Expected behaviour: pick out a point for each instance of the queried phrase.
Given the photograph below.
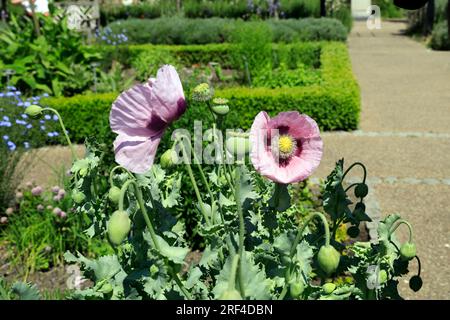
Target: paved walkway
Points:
(404, 140)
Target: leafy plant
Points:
(56, 62)
(41, 227)
(256, 245)
(18, 291)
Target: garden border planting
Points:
(335, 103)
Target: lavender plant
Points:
(257, 244)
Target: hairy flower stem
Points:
(232, 279)
(141, 203)
(352, 166)
(241, 231)
(194, 184)
(296, 242)
(400, 222)
(61, 123)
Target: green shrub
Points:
(439, 37)
(177, 30)
(335, 103)
(56, 62)
(244, 9)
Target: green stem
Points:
(232, 279)
(400, 222)
(74, 155)
(296, 242)
(149, 226)
(194, 184)
(351, 167)
(241, 231)
(180, 285)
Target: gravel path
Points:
(404, 140)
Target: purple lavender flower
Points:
(24, 116)
(6, 118)
(22, 122)
(27, 104)
(55, 118)
(5, 137)
(29, 126)
(47, 117)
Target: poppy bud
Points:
(168, 159)
(328, 259)
(114, 194)
(34, 111)
(202, 93)
(119, 226)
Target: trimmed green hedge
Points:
(178, 30)
(335, 104)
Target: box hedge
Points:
(334, 104)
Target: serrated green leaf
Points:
(25, 291)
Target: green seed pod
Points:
(361, 190)
(78, 196)
(407, 251)
(106, 288)
(230, 295)
(415, 283)
(119, 226)
(382, 276)
(114, 194)
(221, 110)
(328, 288)
(353, 231)
(296, 289)
(328, 259)
(238, 145)
(168, 159)
(34, 111)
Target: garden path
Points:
(404, 140)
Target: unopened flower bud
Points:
(77, 196)
(114, 194)
(202, 92)
(168, 158)
(33, 111)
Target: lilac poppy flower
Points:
(141, 114)
(286, 148)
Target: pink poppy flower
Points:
(141, 114)
(286, 148)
